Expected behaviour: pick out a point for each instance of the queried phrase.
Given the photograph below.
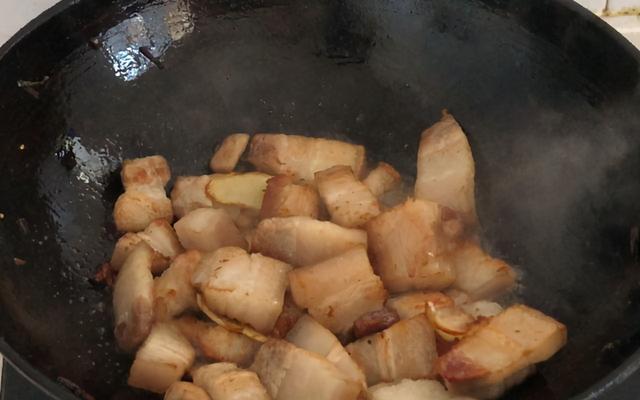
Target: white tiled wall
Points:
(14, 14)
(624, 15)
(628, 25)
(595, 6)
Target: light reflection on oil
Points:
(156, 27)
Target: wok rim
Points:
(600, 390)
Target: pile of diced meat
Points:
(308, 279)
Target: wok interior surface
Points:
(548, 97)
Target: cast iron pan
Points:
(546, 92)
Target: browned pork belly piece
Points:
(480, 275)
(501, 353)
(538, 334)
(217, 343)
(185, 391)
(374, 321)
(409, 389)
(243, 190)
(349, 202)
(125, 245)
(382, 178)
(133, 299)
(207, 229)
(161, 237)
(173, 292)
(226, 157)
(339, 290)
(291, 373)
(407, 247)
(301, 157)
(304, 241)
(190, 193)
(136, 208)
(446, 169)
(247, 287)
(288, 318)
(283, 198)
(146, 171)
(225, 381)
(161, 360)
(310, 335)
(407, 349)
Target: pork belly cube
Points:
(408, 389)
(339, 290)
(161, 237)
(125, 245)
(190, 193)
(161, 360)
(291, 373)
(226, 157)
(310, 335)
(407, 247)
(225, 381)
(283, 198)
(304, 241)
(446, 169)
(173, 292)
(301, 157)
(246, 287)
(145, 171)
(409, 305)
(374, 322)
(185, 391)
(480, 275)
(501, 353)
(483, 365)
(217, 343)
(136, 208)
(207, 229)
(540, 335)
(407, 349)
(349, 202)
(133, 299)
(383, 178)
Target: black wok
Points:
(547, 93)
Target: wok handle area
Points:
(623, 383)
(14, 386)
